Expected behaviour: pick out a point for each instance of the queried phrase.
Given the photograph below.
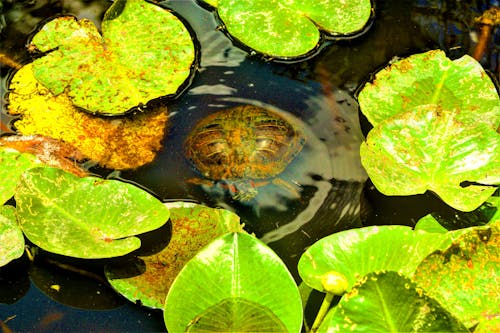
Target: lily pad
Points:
(432, 78)
(12, 165)
(357, 252)
(116, 143)
(84, 217)
(11, 236)
(288, 29)
(145, 52)
(193, 227)
(465, 278)
(221, 286)
(428, 148)
(388, 302)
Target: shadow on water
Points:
(318, 94)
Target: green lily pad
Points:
(427, 148)
(11, 236)
(288, 29)
(388, 302)
(12, 165)
(355, 253)
(145, 52)
(432, 78)
(193, 227)
(84, 217)
(465, 278)
(234, 276)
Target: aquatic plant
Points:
(290, 29)
(145, 52)
(435, 129)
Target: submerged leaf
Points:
(232, 276)
(357, 252)
(120, 143)
(145, 52)
(432, 78)
(193, 227)
(84, 217)
(288, 29)
(11, 236)
(389, 303)
(427, 148)
(465, 278)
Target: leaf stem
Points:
(323, 310)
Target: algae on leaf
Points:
(465, 277)
(145, 52)
(193, 227)
(84, 217)
(117, 143)
(288, 29)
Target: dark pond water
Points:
(318, 93)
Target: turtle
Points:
(242, 148)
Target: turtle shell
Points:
(243, 142)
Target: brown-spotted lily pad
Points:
(118, 143)
(193, 227)
(465, 278)
(145, 52)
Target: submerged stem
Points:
(323, 310)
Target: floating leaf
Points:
(429, 149)
(50, 151)
(120, 143)
(357, 252)
(12, 165)
(288, 29)
(465, 278)
(145, 52)
(389, 303)
(84, 217)
(11, 236)
(193, 227)
(432, 78)
(234, 276)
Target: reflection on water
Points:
(317, 94)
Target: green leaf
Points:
(145, 52)
(427, 148)
(12, 165)
(389, 303)
(432, 78)
(193, 227)
(288, 29)
(84, 217)
(465, 278)
(357, 252)
(11, 236)
(238, 281)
